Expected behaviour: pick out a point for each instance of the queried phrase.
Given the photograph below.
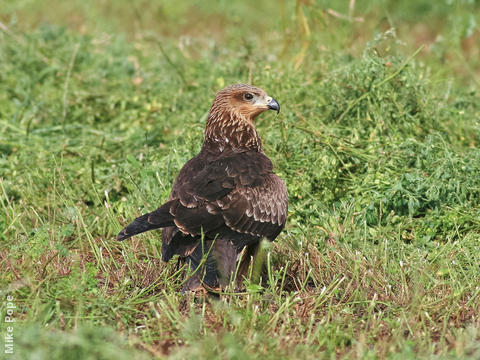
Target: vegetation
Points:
(101, 103)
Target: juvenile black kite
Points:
(228, 192)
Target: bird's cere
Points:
(273, 105)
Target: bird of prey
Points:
(226, 199)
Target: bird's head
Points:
(244, 100)
(230, 120)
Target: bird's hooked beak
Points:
(273, 104)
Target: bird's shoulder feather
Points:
(209, 176)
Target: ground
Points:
(101, 103)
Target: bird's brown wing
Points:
(259, 211)
(236, 191)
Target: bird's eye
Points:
(248, 96)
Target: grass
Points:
(101, 103)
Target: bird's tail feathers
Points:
(159, 218)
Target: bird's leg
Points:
(225, 255)
(247, 262)
(202, 268)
